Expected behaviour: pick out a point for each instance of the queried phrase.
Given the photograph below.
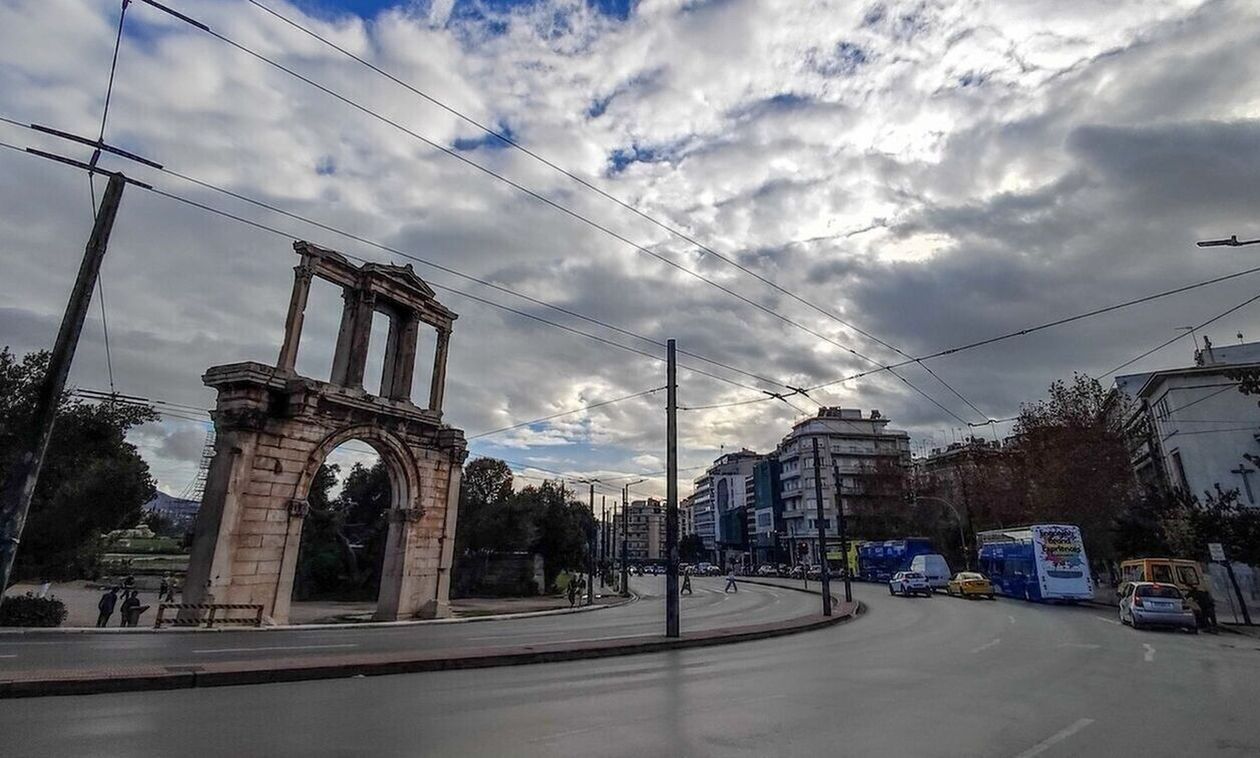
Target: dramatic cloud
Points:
(931, 172)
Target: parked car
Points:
(970, 584)
(934, 567)
(1146, 604)
(797, 572)
(766, 570)
(706, 569)
(907, 583)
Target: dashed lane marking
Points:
(1055, 738)
(988, 645)
(1150, 652)
(268, 648)
(1011, 619)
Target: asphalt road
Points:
(708, 608)
(930, 677)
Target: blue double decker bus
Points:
(878, 561)
(1040, 563)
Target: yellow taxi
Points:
(970, 584)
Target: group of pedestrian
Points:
(130, 609)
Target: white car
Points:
(907, 583)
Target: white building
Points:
(1191, 427)
(862, 446)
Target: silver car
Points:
(1146, 604)
(907, 583)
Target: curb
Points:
(295, 670)
(325, 626)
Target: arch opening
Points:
(345, 533)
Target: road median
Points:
(148, 678)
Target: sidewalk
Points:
(35, 683)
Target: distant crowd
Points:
(131, 608)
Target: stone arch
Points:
(404, 479)
(275, 428)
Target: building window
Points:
(1161, 409)
(1178, 468)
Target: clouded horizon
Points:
(932, 172)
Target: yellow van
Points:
(1187, 575)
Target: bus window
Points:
(1132, 573)
(1161, 572)
(1188, 576)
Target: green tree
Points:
(92, 481)
(343, 538)
(1072, 462)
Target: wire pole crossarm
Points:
(23, 475)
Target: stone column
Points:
(360, 337)
(403, 366)
(283, 598)
(446, 560)
(393, 602)
(341, 358)
(302, 274)
(438, 387)
(214, 534)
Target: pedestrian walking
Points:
(106, 606)
(171, 589)
(164, 586)
(686, 584)
(731, 586)
(129, 604)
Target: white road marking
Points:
(1011, 619)
(987, 645)
(1055, 738)
(595, 639)
(1150, 652)
(14, 655)
(273, 647)
(1082, 645)
(1108, 621)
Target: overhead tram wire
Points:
(600, 404)
(940, 353)
(545, 200)
(409, 256)
(96, 154)
(1183, 335)
(667, 227)
(1025, 331)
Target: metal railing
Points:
(208, 614)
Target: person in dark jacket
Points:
(1207, 609)
(106, 606)
(129, 605)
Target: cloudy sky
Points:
(930, 172)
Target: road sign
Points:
(1217, 551)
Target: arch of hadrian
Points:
(274, 429)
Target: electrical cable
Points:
(669, 228)
(546, 200)
(1166, 343)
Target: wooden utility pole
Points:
(823, 573)
(603, 536)
(23, 474)
(671, 492)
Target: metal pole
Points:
(1229, 569)
(590, 557)
(823, 572)
(23, 474)
(844, 536)
(671, 492)
(603, 537)
(625, 539)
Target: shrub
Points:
(28, 610)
